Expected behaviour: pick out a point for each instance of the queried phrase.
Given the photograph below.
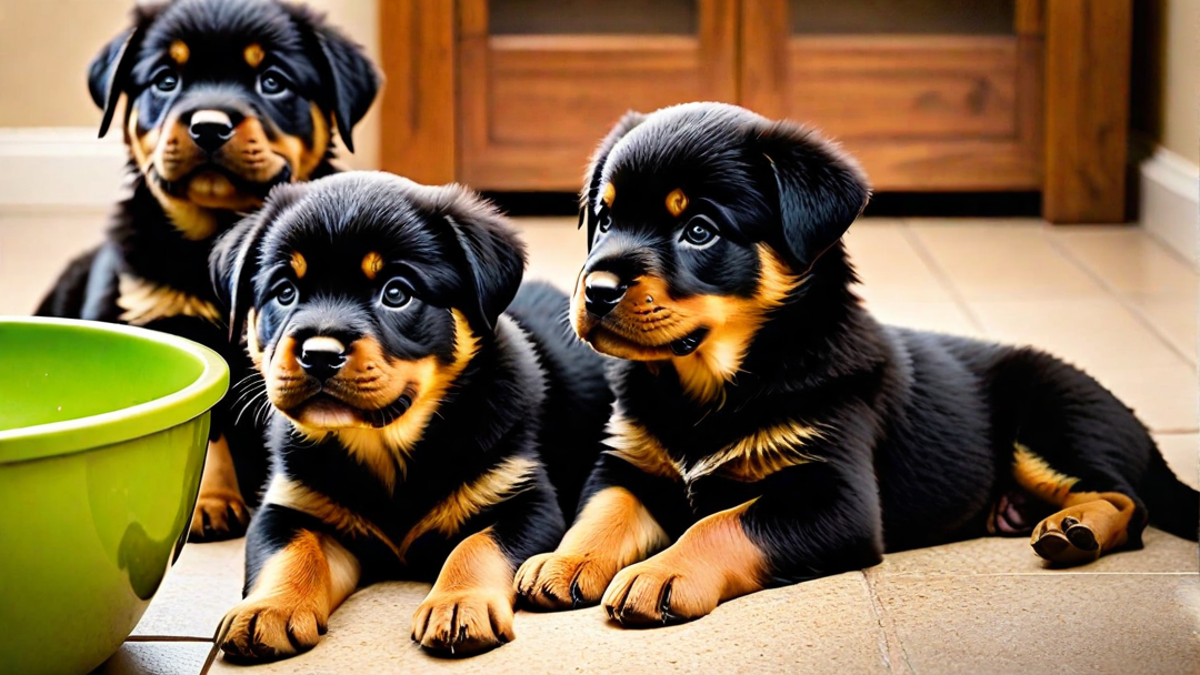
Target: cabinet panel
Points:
(905, 87)
(533, 106)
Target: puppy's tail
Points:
(1173, 506)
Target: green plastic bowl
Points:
(103, 431)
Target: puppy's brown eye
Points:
(286, 294)
(699, 231)
(395, 294)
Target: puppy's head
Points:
(703, 218)
(227, 98)
(363, 296)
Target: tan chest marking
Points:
(633, 443)
(145, 301)
(290, 494)
(758, 455)
(511, 477)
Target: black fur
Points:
(321, 67)
(531, 390)
(916, 430)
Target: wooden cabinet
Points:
(930, 95)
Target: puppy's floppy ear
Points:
(108, 73)
(493, 253)
(591, 180)
(349, 80)
(233, 261)
(821, 190)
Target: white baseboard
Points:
(1170, 202)
(57, 168)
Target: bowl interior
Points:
(52, 373)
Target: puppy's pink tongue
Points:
(328, 415)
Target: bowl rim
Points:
(55, 439)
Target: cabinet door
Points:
(542, 81)
(928, 94)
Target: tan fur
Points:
(613, 530)
(252, 346)
(633, 443)
(169, 154)
(370, 380)
(299, 264)
(677, 202)
(254, 54)
(712, 562)
(610, 194)
(643, 326)
(1035, 475)
(371, 264)
(220, 498)
(509, 478)
(179, 52)
(288, 493)
(470, 607)
(289, 606)
(145, 302)
(758, 455)
(1105, 515)
(304, 159)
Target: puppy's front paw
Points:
(219, 515)
(270, 628)
(461, 623)
(562, 581)
(653, 594)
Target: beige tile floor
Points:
(1113, 300)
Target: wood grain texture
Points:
(534, 106)
(418, 105)
(1088, 49)
(763, 67)
(905, 87)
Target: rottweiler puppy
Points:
(423, 427)
(224, 100)
(767, 430)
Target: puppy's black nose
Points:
(322, 357)
(210, 129)
(602, 291)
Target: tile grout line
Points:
(1121, 299)
(166, 638)
(940, 274)
(212, 657)
(891, 651)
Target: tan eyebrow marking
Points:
(179, 52)
(254, 54)
(299, 264)
(610, 193)
(371, 264)
(677, 202)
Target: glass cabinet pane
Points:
(579, 17)
(959, 17)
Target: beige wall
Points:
(45, 46)
(1181, 79)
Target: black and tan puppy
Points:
(768, 430)
(419, 432)
(224, 100)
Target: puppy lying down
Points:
(423, 427)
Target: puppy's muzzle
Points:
(322, 357)
(602, 292)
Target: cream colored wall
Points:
(1181, 78)
(45, 46)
